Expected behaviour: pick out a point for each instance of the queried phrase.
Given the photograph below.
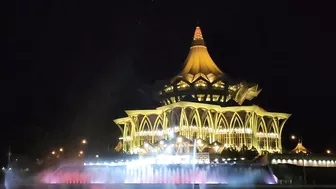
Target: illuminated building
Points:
(203, 103)
(300, 148)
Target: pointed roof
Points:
(199, 63)
(300, 148)
(118, 147)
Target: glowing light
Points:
(97, 156)
(179, 139)
(61, 149)
(81, 152)
(293, 137)
(328, 152)
(84, 141)
(53, 152)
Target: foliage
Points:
(245, 152)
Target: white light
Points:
(161, 142)
(179, 139)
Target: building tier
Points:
(149, 131)
(202, 81)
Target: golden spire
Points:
(199, 63)
(300, 148)
(198, 34)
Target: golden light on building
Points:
(300, 148)
(203, 103)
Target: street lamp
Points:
(293, 137)
(53, 152)
(61, 149)
(84, 141)
(81, 152)
(328, 151)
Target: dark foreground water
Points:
(160, 186)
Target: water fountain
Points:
(147, 172)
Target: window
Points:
(215, 98)
(168, 89)
(218, 85)
(182, 85)
(201, 84)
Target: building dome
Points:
(203, 81)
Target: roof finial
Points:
(198, 34)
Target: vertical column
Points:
(164, 125)
(254, 127)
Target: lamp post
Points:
(293, 137)
(83, 147)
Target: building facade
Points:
(205, 105)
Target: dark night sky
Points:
(72, 67)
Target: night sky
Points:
(71, 67)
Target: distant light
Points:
(293, 137)
(179, 139)
(328, 152)
(53, 152)
(61, 149)
(84, 141)
(81, 152)
(161, 142)
(97, 156)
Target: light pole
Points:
(293, 137)
(84, 143)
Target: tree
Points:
(249, 153)
(230, 153)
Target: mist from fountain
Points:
(194, 161)
(234, 175)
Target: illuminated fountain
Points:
(164, 169)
